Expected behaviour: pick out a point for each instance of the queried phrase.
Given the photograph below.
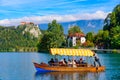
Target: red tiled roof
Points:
(76, 35)
(23, 23)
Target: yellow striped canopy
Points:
(71, 52)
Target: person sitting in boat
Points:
(69, 63)
(51, 62)
(96, 60)
(74, 63)
(56, 62)
(65, 61)
(81, 61)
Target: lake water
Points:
(19, 66)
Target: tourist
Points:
(74, 63)
(51, 62)
(62, 62)
(81, 61)
(56, 62)
(65, 61)
(69, 63)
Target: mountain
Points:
(85, 25)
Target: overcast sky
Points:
(12, 12)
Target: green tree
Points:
(74, 29)
(90, 36)
(102, 39)
(89, 40)
(44, 43)
(58, 33)
(115, 37)
(53, 37)
(107, 22)
(112, 24)
(88, 44)
(113, 19)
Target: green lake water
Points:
(19, 66)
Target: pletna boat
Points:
(43, 67)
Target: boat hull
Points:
(46, 68)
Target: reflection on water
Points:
(69, 76)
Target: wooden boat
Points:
(74, 52)
(47, 68)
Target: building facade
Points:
(73, 38)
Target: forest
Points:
(12, 39)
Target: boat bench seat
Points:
(77, 65)
(58, 64)
(61, 64)
(81, 65)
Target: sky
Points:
(12, 12)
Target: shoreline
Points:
(21, 49)
(34, 49)
(107, 50)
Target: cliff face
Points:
(31, 28)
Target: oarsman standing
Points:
(96, 60)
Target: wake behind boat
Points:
(76, 67)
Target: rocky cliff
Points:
(31, 28)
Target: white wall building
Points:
(72, 38)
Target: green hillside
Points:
(13, 39)
(112, 25)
